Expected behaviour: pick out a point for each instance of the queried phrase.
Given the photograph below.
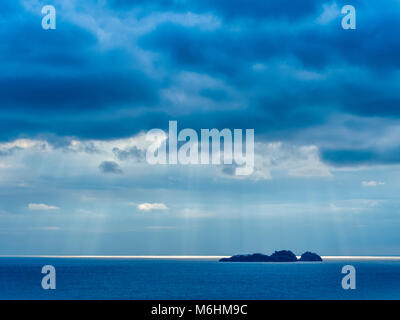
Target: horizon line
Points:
(198, 257)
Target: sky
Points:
(76, 103)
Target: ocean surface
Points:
(121, 278)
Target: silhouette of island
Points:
(310, 256)
(277, 256)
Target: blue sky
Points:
(75, 104)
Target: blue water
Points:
(20, 278)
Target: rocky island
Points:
(310, 256)
(277, 256)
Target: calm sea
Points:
(92, 278)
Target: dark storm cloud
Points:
(285, 71)
(110, 167)
(318, 48)
(91, 125)
(229, 9)
(373, 44)
(63, 71)
(361, 157)
(220, 52)
(133, 153)
(27, 48)
(58, 82)
(74, 93)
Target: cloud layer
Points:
(41, 207)
(115, 68)
(152, 206)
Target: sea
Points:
(181, 278)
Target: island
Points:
(277, 256)
(310, 256)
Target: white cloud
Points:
(372, 183)
(41, 207)
(82, 157)
(306, 163)
(330, 12)
(8, 149)
(279, 157)
(152, 206)
(24, 144)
